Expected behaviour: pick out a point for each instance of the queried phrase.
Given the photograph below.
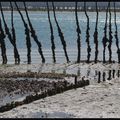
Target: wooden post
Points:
(16, 54)
(113, 73)
(96, 36)
(52, 36)
(2, 42)
(61, 35)
(27, 33)
(109, 73)
(9, 35)
(33, 34)
(105, 39)
(118, 73)
(99, 77)
(78, 34)
(116, 35)
(87, 35)
(104, 74)
(110, 37)
(75, 80)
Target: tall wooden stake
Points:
(78, 35)
(33, 34)
(2, 42)
(52, 36)
(110, 37)
(17, 56)
(105, 39)
(116, 35)
(87, 35)
(61, 35)
(9, 35)
(96, 36)
(27, 33)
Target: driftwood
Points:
(110, 37)
(116, 35)
(96, 36)
(10, 36)
(52, 36)
(33, 34)
(87, 35)
(27, 33)
(2, 42)
(61, 35)
(78, 34)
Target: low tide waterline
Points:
(67, 23)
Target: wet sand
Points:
(19, 81)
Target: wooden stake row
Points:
(29, 29)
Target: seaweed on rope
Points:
(10, 37)
(61, 35)
(33, 34)
(27, 33)
(78, 34)
(30, 32)
(105, 39)
(110, 36)
(116, 35)
(87, 35)
(52, 36)
(17, 56)
(96, 36)
(2, 43)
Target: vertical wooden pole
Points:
(61, 35)
(27, 33)
(87, 35)
(52, 36)
(33, 34)
(96, 36)
(78, 34)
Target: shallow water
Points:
(68, 25)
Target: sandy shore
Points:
(99, 99)
(93, 101)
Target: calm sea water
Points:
(68, 25)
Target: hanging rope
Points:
(52, 36)
(105, 39)
(78, 34)
(27, 33)
(17, 56)
(9, 36)
(2, 43)
(116, 35)
(61, 35)
(110, 37)
(96, 36)
(87, 35)
(33, 34)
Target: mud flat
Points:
(89, 71)
(29, 86)
(95, 100)
(66, 68)
(15, 87)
